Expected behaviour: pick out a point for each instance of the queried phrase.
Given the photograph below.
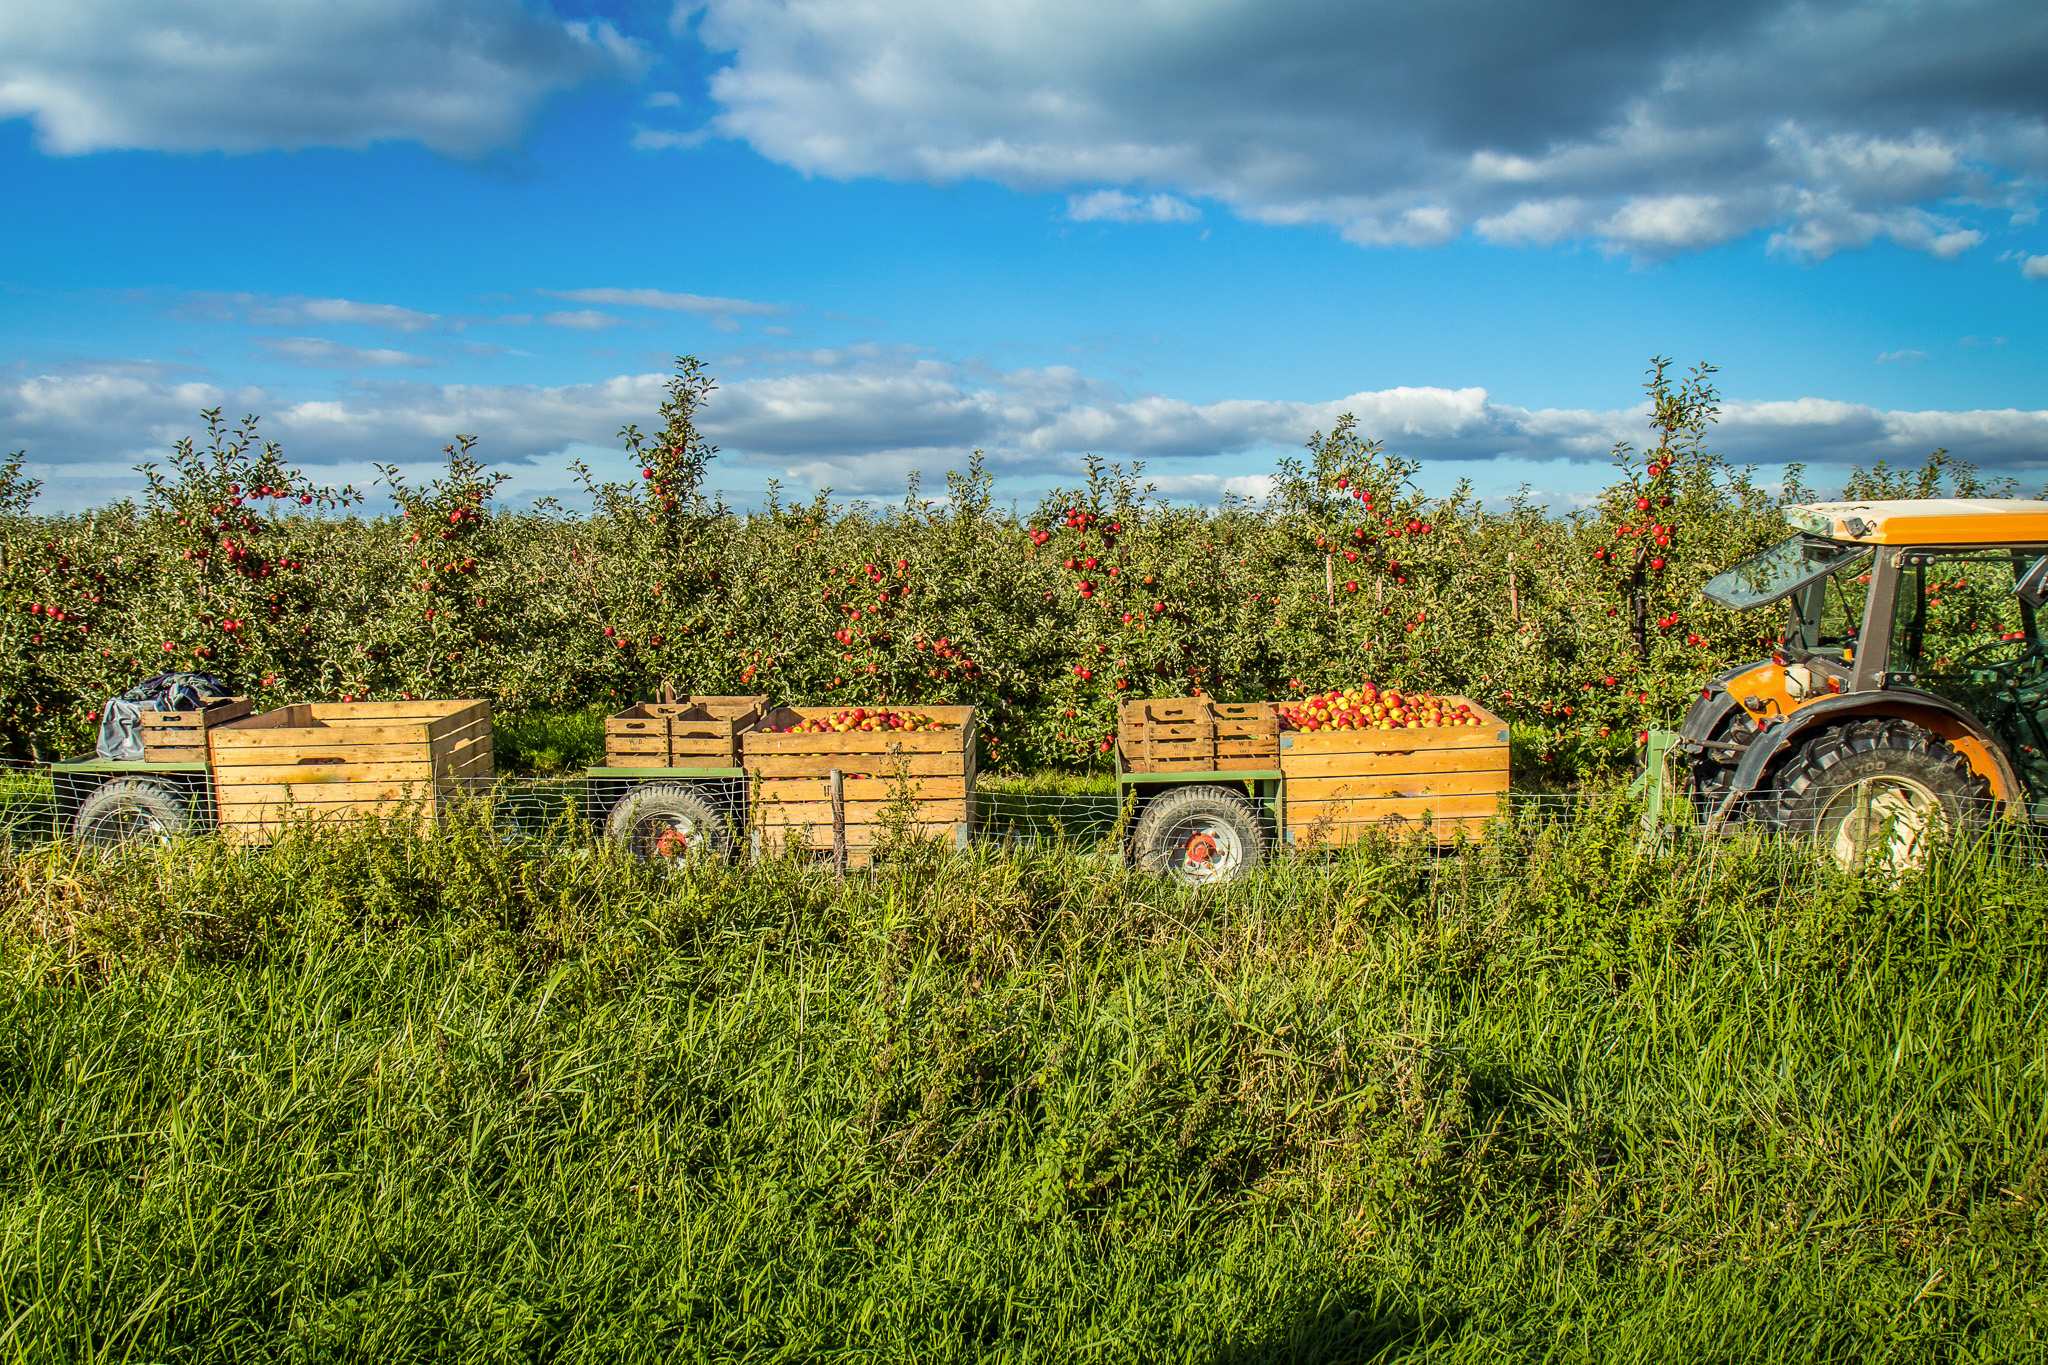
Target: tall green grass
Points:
(488, 1098)
(545, 743)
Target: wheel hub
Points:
(1885, 823)
(668, 838)
(1209, 851)
(128, 823)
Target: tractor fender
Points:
(1705, 715)
(1713, 705)
(1938, 715)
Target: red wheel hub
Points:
(1201, 848)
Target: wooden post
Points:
(1330, 580)
(1639, 611)
(839, 826)
(1514, 602)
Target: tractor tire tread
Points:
(1808, 771)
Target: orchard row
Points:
(1582, 628)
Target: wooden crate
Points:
(180, 736)
(1247, 734)
(1166, 734)
(1341, 784)
(789, 776)
(1185, 734)
(728, 708)
(678, 734)
(346, 759)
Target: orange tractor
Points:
(1909, 696)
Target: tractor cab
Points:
(1910, 690)
(1963, 627)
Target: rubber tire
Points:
(1708, 777)
(676, 802)
(162, 806)
(1828, 766)
(1153, 849)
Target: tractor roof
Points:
(1927, 521)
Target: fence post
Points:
(839, 826)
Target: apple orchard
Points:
(1581, 628)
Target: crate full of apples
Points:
(886, 756)
(1367, 707)
(1370, 757)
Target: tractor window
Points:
(1827, 614)
(1841, 614)
(1779, 572)
(1955, 610)
(1961, 631)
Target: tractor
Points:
(1908, 696)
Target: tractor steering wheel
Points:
(1983, 658)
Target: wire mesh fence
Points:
(1871, 824)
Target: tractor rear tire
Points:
(130, 810)
(1711, 776)
(669, 822)
(1199, 836)
(1877, 795)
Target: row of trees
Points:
(1583, 628)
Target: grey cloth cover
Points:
(121, 719)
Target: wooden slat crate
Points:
(1341, 784)
(180, 736)
(789, 776)
(728, 708)
(1183, 734)
(1247, 734)
(345, 759)
(1167, 734)
(678, 734)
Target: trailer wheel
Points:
(1199, 836)
(668, 822)
(131, 810)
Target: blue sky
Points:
(1187, 234)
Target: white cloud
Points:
(1901, 357)
(1671, 223)
(702, 305)
(319, 353)
(666, 140)
(1533, 221)
(2035, 267)
(460, 76)
(584, 319)
(264, 311)
(1653, 130)
(860, 418)
(1114, 206)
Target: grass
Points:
(547, 743)
(1047, 782)
(27, 804)
(476, 1098)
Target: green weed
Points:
(490, 1097)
